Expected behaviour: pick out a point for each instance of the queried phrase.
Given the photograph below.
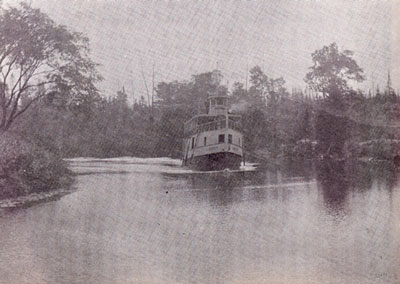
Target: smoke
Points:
(240, 106)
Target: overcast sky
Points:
(182, 38)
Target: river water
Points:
(132, 220)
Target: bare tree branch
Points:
(6, 53)
(25, 108)
(39, 53)
(21, 76)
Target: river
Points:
(131, 220)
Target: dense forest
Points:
(50, 109)
(276, 123)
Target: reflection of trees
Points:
(385, 173)
(338, 178)
(362, 175)
(334, 183)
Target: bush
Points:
(26, 168)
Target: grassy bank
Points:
(26, 168)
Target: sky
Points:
(182, 38)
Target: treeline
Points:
(112, 126)
(275, 122)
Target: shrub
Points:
(27, 168)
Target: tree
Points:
(260, 86)
(191, 95)
(204, 85)
(332, 69)
(177, 102)
(239, 96)
(329, 75)
(389, 91)
(265, 89)
(39, 58)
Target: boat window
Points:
(221, 138)
(220, 101)
(192, 142)
(239, 140)
(230, 138)
(205, 141)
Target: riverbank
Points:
(33, 198)
(30, 173)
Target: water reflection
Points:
(337, 179)
(219, 190)
(222, 189)
(298, 167)
(334, 182)
(304, 221)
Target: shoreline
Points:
(31, 199)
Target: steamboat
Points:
(213, 141)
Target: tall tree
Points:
(265, 89)
(260, 86)
(389, 91)
(204, 85)
(329, 75)
(38, 58)
(332, 69)
(239, 94)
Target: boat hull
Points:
(215, 162)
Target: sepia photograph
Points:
(200, 142)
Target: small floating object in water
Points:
(226, 172)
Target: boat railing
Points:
(209, 126)
(234, 125)
(214, 125)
